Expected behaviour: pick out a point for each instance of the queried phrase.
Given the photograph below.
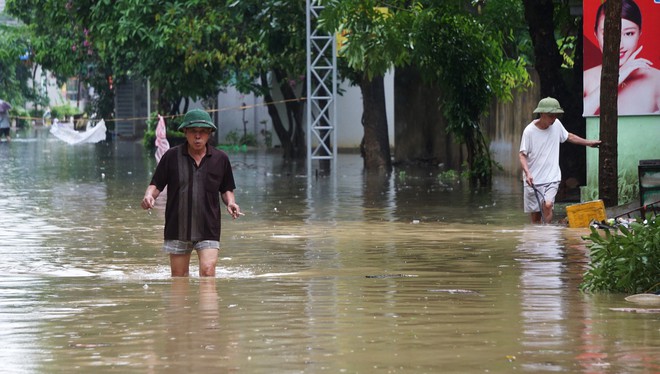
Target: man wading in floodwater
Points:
(539, 158)
(196, 176)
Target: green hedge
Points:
(62, 112)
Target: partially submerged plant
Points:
(626, 260)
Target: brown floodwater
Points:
(340, 274)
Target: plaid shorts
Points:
(181, 247)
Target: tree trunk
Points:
(292, 138)
(609, 82)
(376, 143)
(278, 125)
(541, 23)
(294, 112)
(419, 126)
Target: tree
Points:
(421, 134)
(545, 20)
(187, 49)
(62, 44)
(374, 45)
(279, 29)
(182, 47)
(17, 68)
(450, 49)
(375, 146)
(609, 118)
(458, 52)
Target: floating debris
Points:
(382, 276)
(636, 310)
(285, 236)
(456, 291)
(644, 299)
(91, 345)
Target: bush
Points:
(62, 112)
(626, 261)
(233, 138)
(37, 113)
(449, 177)
(21, 116)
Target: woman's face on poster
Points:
(630, 34)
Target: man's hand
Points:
(148, 202)
(234, 210)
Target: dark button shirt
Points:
(193, 205)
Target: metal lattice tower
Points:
(321, 91)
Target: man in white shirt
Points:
(539, 158)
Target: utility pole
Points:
(321, 93)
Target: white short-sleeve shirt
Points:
(542, 150)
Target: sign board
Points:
(639, 86)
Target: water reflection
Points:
(193, 325)
(348, 273)
(544, 308)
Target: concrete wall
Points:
(505, 123)
(231, 114)
(234, 108)
(638, 139)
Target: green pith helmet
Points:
(549, 105)
(197, 118)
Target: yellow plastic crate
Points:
(580, 215)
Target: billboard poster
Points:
(639, 57)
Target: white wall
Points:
(235, 107)
(349, 114)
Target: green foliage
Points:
(452, 46)
(268, 137)
(507, 18)
(233, 138)
(63, 112)
(21, 115)
(186, 48)
(61, 42)
(567, 50)
(628, 185)
(449, 176)
(377, 37)
(626, 261)
(249, 139)
(16, 64)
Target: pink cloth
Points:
(162, 145)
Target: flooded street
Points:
(346, 274)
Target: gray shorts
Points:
(181, 247)
(546, 192)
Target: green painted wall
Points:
(638, 139)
